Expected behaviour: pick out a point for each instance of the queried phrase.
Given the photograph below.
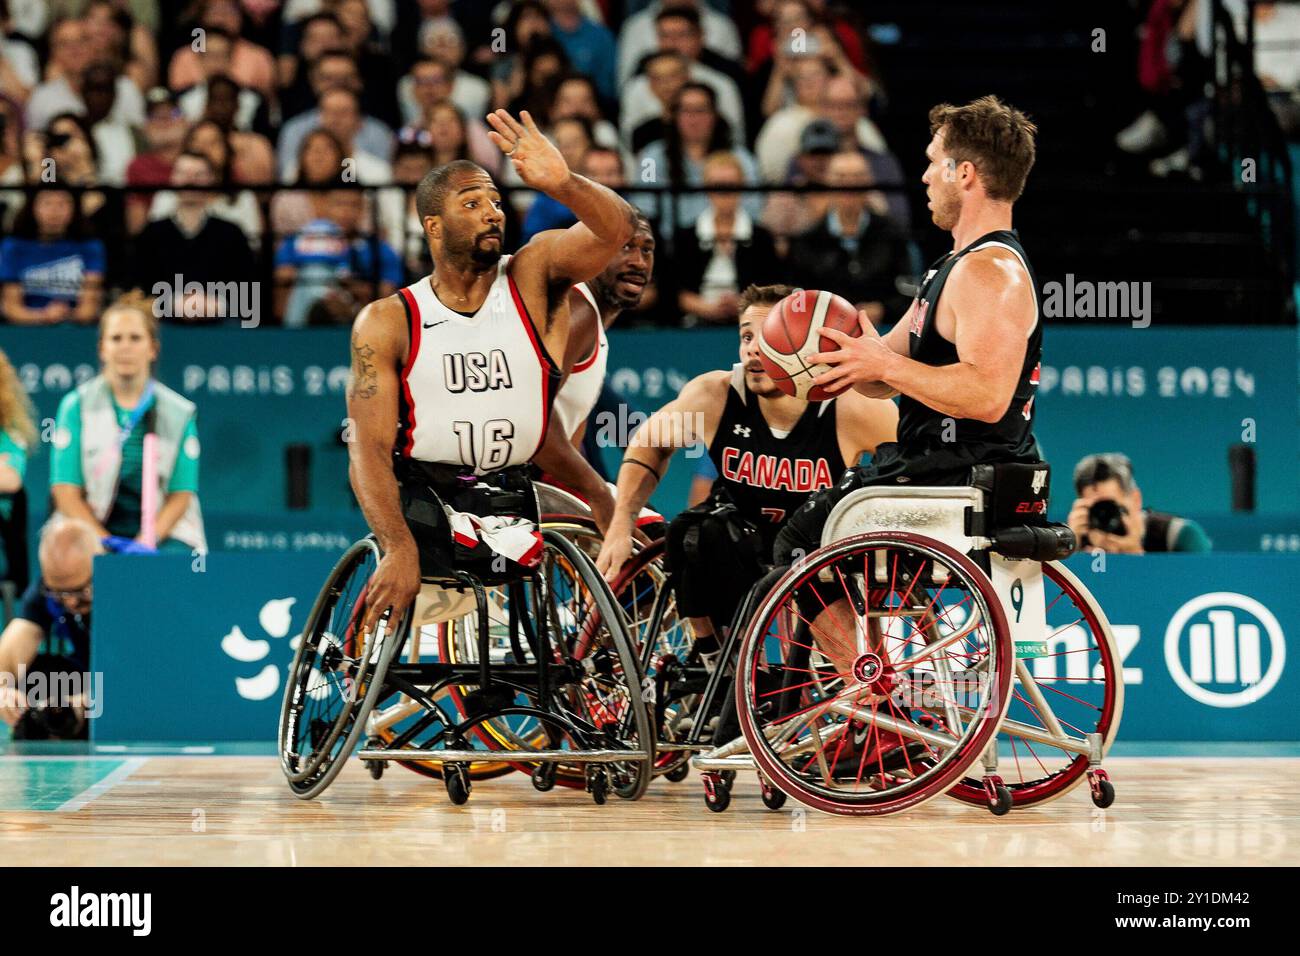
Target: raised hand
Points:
(536, 159)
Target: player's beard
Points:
(760, 383)
(946, 211)
(471, 249)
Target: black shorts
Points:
(714, 556)
(802, 533)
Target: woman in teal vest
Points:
(97, 469)
(17, 433)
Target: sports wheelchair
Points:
(537, 662)
(933, 631)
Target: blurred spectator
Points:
(213, 64)
(17, 435)
(328, 271)
(1108, 512)
(791, 214)
(382, 13)
(237, 206)
(334, 71)
(638, 38)
(320, 163)
(589, 45)
(20, 69)
(375, 64)
(800, 28)
(114, 37)
(97, 460)
(74, 158)
(319, 34)
(431, 88)
(722, 251)
(193, 242)
(114, 140)
(855, 250)
(50, 269)
(47, 643)
(696, 131)
(544, 63)
(62, 89)
(448, 136)
(526, 21)
(443, 41)
(678, 28)
(666, 73)
(844, 107)
(164, 135)
(410, 166)
(251, 66)
(254, 157)
(29, 18)
(575, 96)
(340, 114)
(679, 34)
(1277, 42)
(12, 170)
(573, 138)
(778, 140)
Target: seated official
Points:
(47, 644)
(97, 466)
(1108, 512)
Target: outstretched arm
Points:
(690, 418)
(378, 340)
(605, 220)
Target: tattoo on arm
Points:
(365, 374)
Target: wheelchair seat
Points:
(1004, 509)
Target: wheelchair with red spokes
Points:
(931, 637)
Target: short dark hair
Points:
(1094, 469)
(998, 139)
(689, 14)
(433, 188)
(762, 295)
(25, 222)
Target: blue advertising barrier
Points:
(1173, 399)
(201, 655)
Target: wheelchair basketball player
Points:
(453, 378)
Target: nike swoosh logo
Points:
(429, 325)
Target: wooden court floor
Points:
(225, 810)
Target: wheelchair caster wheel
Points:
(543, 777)
(1103, 791)
(678, 773)
(376, 768)
(996, 796)
(717, 791)
(598, 785)
(773, 798)
(729, 778)
(456, 777)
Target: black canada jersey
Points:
(768, 476)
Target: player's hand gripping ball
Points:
(792, 332)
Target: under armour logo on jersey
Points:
(742, 430)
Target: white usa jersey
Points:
(581, 389)
(476, 390)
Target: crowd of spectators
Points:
(280, 140)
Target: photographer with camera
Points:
(48, 641)
(1108, 512)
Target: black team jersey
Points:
(767, 477)
(924, 433)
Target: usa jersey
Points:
(476, 391)
(581, 389)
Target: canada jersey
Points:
(476, 390)
(926, 433)
(766, 476)
(581, 389)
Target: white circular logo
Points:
(1224, 649)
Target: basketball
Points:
(792, 332)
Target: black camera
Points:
(50, 723)
(1108, 516)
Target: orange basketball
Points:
(792, 332)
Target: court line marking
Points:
(106, 783)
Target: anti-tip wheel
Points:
(543, 777)
(1001, 806)
(678, 773)
(717, 793)
(457, 780)
(598, 784)
(1103, 792)
(773, 798)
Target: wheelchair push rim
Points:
(873, 755)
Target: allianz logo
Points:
(1222, 649)
(275, 620)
